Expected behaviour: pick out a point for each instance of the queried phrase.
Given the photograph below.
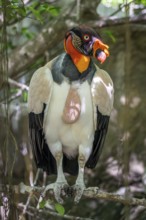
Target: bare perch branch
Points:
(93, 192)
(90, 192)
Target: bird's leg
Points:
(61, 183)
(79, 185)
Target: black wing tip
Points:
(99, 139)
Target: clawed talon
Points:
(58, 189)
(78, 189)
(62, 188)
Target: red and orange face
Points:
(86, 41)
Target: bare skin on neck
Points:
(72, 108)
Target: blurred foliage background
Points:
(31, 33)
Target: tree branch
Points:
(94, 193)
(112, 22)
(24, 56)
(18, 84)
(90, 192)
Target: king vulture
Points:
(70, 101)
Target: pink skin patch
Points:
(101, 57)
(72, 108)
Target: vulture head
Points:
(84, 40)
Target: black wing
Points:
(42, 155)
(102, 96)
(99, 138)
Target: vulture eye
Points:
(86, 37)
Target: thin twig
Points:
(30, 196)
(18, 84)
(19, 93)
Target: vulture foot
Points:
(60, 187)
(78, 189)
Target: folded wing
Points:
(102, 96)
(40, 91)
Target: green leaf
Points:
(141, 2)
(43, 8)
(60, 209)
(42, 204)
(25, 96)
(54, 10)
(22, 12)
(36, 13)
(25, 31)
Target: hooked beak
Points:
(100, 50)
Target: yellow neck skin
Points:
(81, 62)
